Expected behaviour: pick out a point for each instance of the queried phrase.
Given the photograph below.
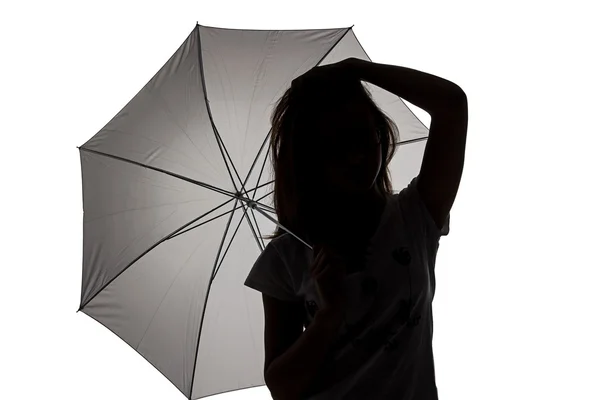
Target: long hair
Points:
(296, 121)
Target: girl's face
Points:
(350, 150)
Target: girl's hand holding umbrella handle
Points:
(328, 270)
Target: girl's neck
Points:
(358, 201)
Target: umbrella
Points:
(177, 199)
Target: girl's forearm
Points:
(293, 373)
(429, 92)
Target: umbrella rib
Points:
(256, 158)
(335, 44)
(206, 298)
(141, 354)
(229, 245)
(363, 49)
(259, 232)
(253, 231)
(221, 143)
(264, 206)
(227, 249)
(281, 226)
(412, 141)
(221, 148)
(212, 122)
(204, 222)
(261, 171)
(147, 251)
(264, 184)
(195, 182)
(209, 111)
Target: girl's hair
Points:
(297, 122)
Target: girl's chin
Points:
(358, 185)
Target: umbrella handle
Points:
(254, 205)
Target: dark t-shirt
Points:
(384, 347)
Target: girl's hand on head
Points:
(347, 69)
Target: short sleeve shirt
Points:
(384, 347)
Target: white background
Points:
(516, 307)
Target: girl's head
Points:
(329, 141)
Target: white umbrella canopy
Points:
(177, 196)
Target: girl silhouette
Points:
(350, 317)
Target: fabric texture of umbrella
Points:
(177, 197)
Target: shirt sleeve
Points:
(413, 205)
(270, 276)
